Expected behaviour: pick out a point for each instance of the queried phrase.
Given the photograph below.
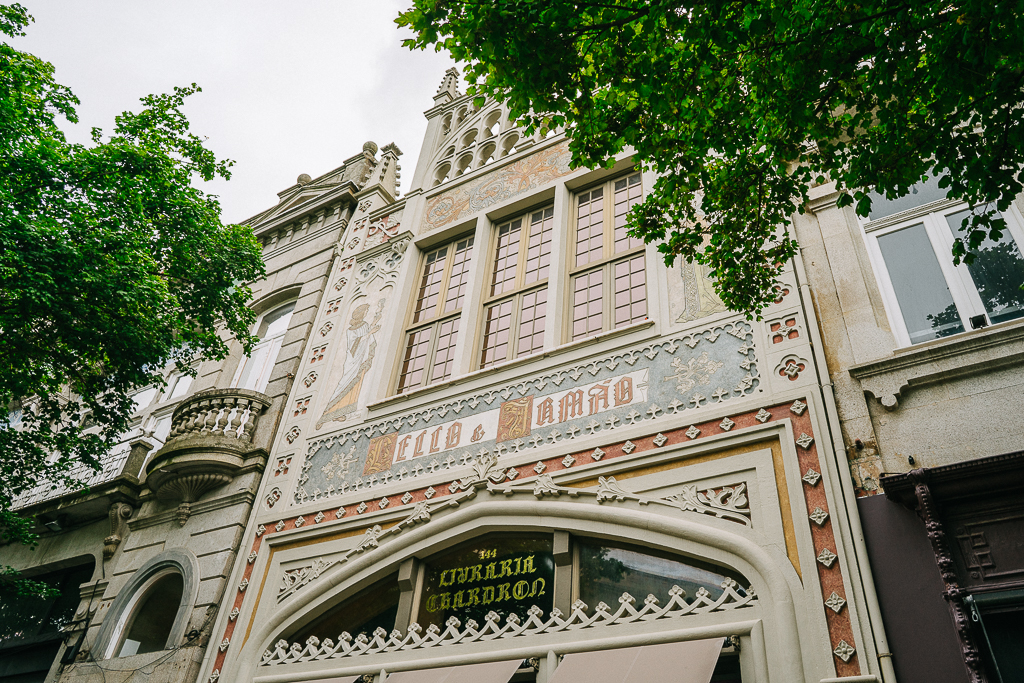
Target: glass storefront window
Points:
(503, 574)
(605, 573)
(365, 613)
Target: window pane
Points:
(920, 194)
(181, 386)
(153, 618)
(538, 254)
(460, 272)
(375, 608)
(590, 227)
(276, 323)
(444, 356)
(627, 194)
(587, 304)
(504, 574)
(430, 285)
(925, 301)
(607, 573)
(506, 257)
(415, 359)
(531, 322)
(630, 291)
(254, 364)
(998, 273)
(496, 327)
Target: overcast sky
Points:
(288, 87)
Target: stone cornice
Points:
(202, 507)
(961, 356)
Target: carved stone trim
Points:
(294, 579)
(953, 593)
(455, 633)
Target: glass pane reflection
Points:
(607, 573)
(917, 280)
(997, 271)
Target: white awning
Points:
(691, 661)
(491, 672)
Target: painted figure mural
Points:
(360, 346)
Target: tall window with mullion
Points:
(516, 307)
(608, 278)
(931, 296)
(430, 341)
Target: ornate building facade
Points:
(519, 447)
(487, 435)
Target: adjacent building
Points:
(142, 560)
(925, 359)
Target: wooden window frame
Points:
(420, 320)
(609, 257)
(520, 288)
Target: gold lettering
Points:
(473, 597)
(475, 573)
(489, 574)
(598, 397)
(519, 561)
(528, 567)
(542, 583)
(463, 571)
(453, 436)
(446, 600)
(457, 602)
(488, 595)
(435, 438)
(521, 590)
(450, 580)
(506, 568)
(570, 405)
(432, 603)
(503, 593)
(624, 391)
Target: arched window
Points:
(606, 572)
(255, 372)
(152, 611)
(148, 621)
(364, 613)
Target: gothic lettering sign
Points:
(507, 575)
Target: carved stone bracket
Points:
(119, 514)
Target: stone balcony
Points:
(213, 438)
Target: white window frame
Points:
(958, 278)
(273, 346)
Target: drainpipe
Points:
(849, 499)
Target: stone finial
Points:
(449, 88)
(391, 148)
(303, 179)
(370, 147)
